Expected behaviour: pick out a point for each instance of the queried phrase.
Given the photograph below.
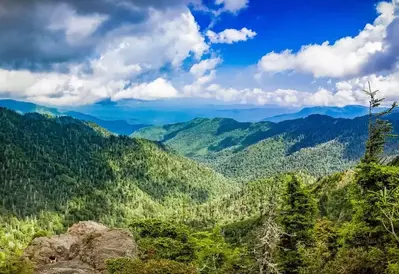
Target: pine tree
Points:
(379, 129)
(297, 219)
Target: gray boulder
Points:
(83, 249)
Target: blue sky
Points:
(289, 53)
(290, 24)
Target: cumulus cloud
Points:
(54, 88)
(67, 30)
(349, 56)
(205, 65)
(281, 97)
(204, 73)
(387, 85)
(120, 67)
(284, 97)
(81, 52)
(71, 89)
(159, 88)
(230, 36)
(232, 5)
(166, 38)
(76, 27)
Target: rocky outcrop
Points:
(83, 249)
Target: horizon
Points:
(159, 115)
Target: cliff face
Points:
(83, 249)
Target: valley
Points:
(318, 145)
(199, 137)
(195, 192)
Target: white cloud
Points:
(160, 88)
(76, 27)
(166, 38)
(343, 93)
(281, 97)
(284, 97)
(230, 36)
(387, 86)
(204, 73)
(196, 89)
(348, 56)
(133, 61)
(205, 65)
(276, 62)
(232, 5)
(70, 89)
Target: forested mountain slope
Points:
(55, 171)
(61, 164)
(317, 144)
(115, 126)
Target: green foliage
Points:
(57, 171)
(357, 260)
(323, 248)
(187, 218)
(333, 195)
(241, 232)
(247, 203)
(388, 210)
(129, 266)
(157, 228)
(208, 251)
(373, 177)
(215, 256)
(393, 260)
(318, 145)
(15, 265)
(379, 129)
(66, 166)
(163, 240)
(297, 219)
(365, 241)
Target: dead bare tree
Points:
(269, 234)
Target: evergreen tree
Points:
(297, 219)
(379, 129)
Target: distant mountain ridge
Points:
(169, 111)
(317, 144)
(115, 126)
(351, 111)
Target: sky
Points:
(288, 53)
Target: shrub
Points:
(129, 266)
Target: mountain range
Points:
(317, 144)
(336, 112)
(115, 126)
(57, 170)
(126, 116)
(63, 164)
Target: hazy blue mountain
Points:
(336, 112)
(114, 126)
(25, 107)
(162, 112)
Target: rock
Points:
(83, 228)
(67, 267)
(83, 249)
